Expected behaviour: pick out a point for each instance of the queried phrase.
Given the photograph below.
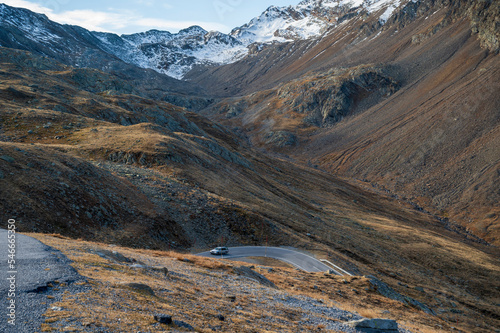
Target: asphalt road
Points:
(36, 266)
(297, 259)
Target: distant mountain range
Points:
(176, 54)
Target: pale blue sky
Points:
(129, 16)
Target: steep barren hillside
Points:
(411, 106)
(435, 142)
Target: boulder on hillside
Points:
(141, 288)
(374, 325)
(163, 318)
(113, 256)
(249, 273)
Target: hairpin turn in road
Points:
(295, 258)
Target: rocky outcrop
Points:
(163, 319)
(374, 325)
(253, 275)
(326, 99)
(281, 139)
(193, 103)
(485, 22)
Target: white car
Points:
(220, 250)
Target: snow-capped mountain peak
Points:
(175, 54)
(310, 18)
(194, 30)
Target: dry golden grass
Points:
(47, 328)
(187, 294)
(369, 313)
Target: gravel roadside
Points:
(40, 275)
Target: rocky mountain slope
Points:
(410, 107)
(358, 39)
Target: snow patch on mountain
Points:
(152, 36)
(388, 12)
(308, 19)
(279, 24)
(310, 4)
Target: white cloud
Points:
(28, 5)
(88, 19)
(92, 20)
(109, 21)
